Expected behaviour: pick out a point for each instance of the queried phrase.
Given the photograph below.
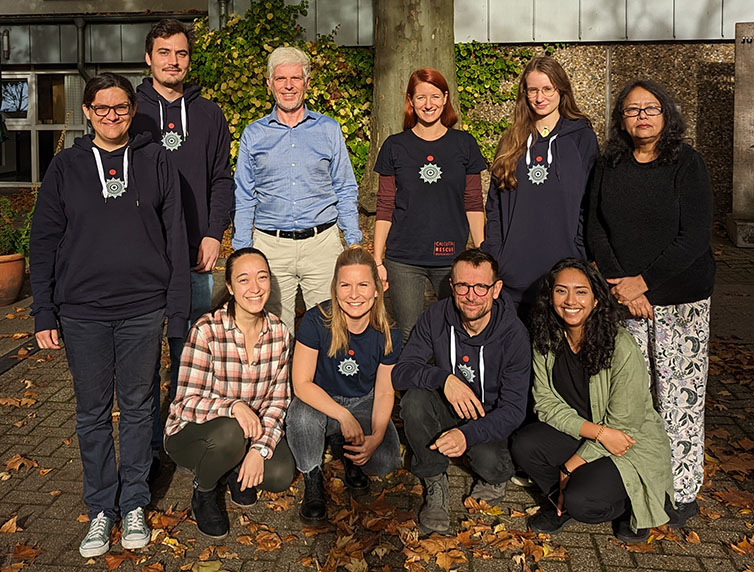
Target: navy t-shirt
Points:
(429, 226)
(352, 372)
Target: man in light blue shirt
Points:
(295, 188)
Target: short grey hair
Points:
(287, 56)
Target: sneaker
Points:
(433, 515)
(547, 520)
(97, 540)
(314, 506)
(482, 490)
(355, 478)
(241, 498)
(211, 520)
(522, 480)
(136, 533)
(622, 531)
(681, 513)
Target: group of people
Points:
(591, 387)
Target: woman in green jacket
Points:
(599, 450)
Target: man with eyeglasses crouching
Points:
(466, 371)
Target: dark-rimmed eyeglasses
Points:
(461, 288)
(651, 111)
(547, 91)
(104, 110)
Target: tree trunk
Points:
(408, 35)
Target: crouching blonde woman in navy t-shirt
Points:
(345, 352)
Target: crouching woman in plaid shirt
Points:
(226, 422)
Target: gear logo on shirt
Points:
(467, 372)
(114, 188)
(171, 140)
(538, 174)
(348, 367)
(430, 173)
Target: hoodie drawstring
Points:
(529, 142)
(184, 119)
(453, 359)
(112, 188)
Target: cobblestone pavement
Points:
(41, 499)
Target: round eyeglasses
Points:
(461, 288)
(547, 91)
(651, 111)
(104, 110)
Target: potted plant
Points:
(15, 229)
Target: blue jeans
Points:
(307, 428)
(202, 284)
(407, 284)
(426, 415)
(107, 356)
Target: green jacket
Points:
(620, 399)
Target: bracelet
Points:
(564, 470)
(599, 433)
(380, 264)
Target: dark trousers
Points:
(214, 448)
(595, 491)
(426, 415)
(106, 357)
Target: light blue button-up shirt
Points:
(294, 178)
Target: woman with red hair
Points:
(429, 197)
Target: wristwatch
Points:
(265, 452)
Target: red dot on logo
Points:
(465, 359)
(539, 157)
(351, 352)
(171, 125)
(112, 171)
(430, 158)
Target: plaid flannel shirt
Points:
(216, 373)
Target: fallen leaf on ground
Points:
(19, 461)
(43, 472)
(23, 552)
(11, 526)
(746, 546)
(693, 538)
(83, 517)
(13, 567)
(155, 567)
(735, 498)
(113, 561)
(642, 547)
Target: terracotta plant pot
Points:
(12, 268)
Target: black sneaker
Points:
(622, 531)
(355, 478)
(241, 498)
(681, 513)
(211, 520)
(547, 520)
(314, 506)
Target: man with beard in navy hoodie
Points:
(195, 133)
(466, 368)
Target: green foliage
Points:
(231, 65)
(15, 229)
(482, 70)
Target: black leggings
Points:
(595, 491)
(214, 448)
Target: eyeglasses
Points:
(547, 91)
(104, 110)
(651, 111)
(461, 288)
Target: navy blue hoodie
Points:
(201, 153)
(501, 352)
(93, 258)
(541, 221)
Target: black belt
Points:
(298, 234)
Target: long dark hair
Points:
(598, 343)
(620, 144)
(229, 263)
(512, 144)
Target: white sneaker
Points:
(136, 533)
(97, 540)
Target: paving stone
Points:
(717, 565)
(667, 562)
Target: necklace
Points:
(545, 131)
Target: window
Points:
(15, 102)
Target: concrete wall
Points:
(36, 7)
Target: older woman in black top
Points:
(649, 229)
